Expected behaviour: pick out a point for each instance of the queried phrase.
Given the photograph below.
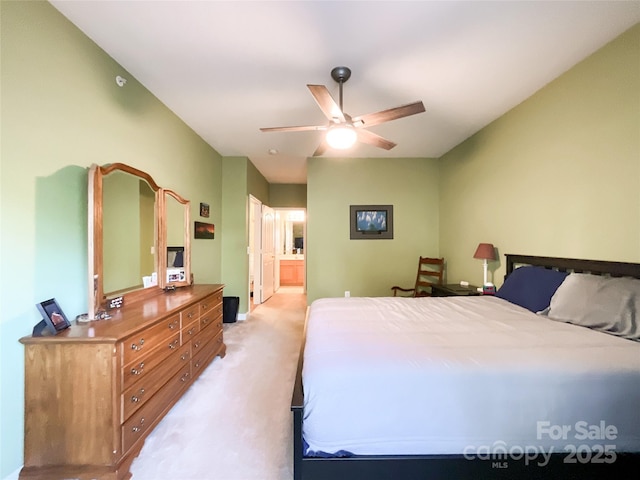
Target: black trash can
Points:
(230, 309)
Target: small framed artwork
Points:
(53, 318)
(371, 222)
(204, 230)
(204, 210)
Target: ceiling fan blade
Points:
(377, 118)
(302, 128)
(323, 147)
(326, 103)
(365, 136)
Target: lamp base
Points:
(484, 268)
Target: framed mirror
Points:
(127, 235)
(175, 264)
(291, 241)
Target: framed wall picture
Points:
(371, 222)
(204, 230)
(204, 210)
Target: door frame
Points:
(267, 254)
(254, 248)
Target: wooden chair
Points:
(430, 272)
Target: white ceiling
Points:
(228, 68)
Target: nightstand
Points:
(454, 290)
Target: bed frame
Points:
(436, 467)
(595, 267)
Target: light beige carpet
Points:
(234, 423)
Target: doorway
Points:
(290, 259)
(277, 251)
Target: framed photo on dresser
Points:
(53, 318)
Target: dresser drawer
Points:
(190, 314)
(204, 337)
(189, 331)
(142, 366)
(149, 414)
(139, 393)
(212, 318)
(211, 302)
(205, 355)
(138, 345)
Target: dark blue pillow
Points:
(531, 287)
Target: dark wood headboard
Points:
(596, 267)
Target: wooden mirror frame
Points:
(163, 247)
(95, 248)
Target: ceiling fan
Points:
(342, 129)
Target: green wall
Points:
(240, 179)
(368, 267)
(62, 111)
(288, 195)
(235, 261)
(257, 185)
(558, 175)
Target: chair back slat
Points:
(430, 272)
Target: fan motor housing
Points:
(341, 74)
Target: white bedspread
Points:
(451, 375)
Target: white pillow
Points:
(607, 304)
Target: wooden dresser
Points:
(95, 391)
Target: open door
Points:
(255, 246)
(268, 252)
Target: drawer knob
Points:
(138, 371)
(173, 325)
(135, 399)
(190, 315)
(185, 377)
(197, 344)
(174, 344)
(204, 306)
(135, 428)
(184, 356)
(137, 346)
(190, 332)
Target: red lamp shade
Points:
(485, 251)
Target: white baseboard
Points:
(15, 475)
(243, 316)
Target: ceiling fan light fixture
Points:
(341, 137)
(341, 131)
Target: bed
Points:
(474, 387)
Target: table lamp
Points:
(485, 251)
